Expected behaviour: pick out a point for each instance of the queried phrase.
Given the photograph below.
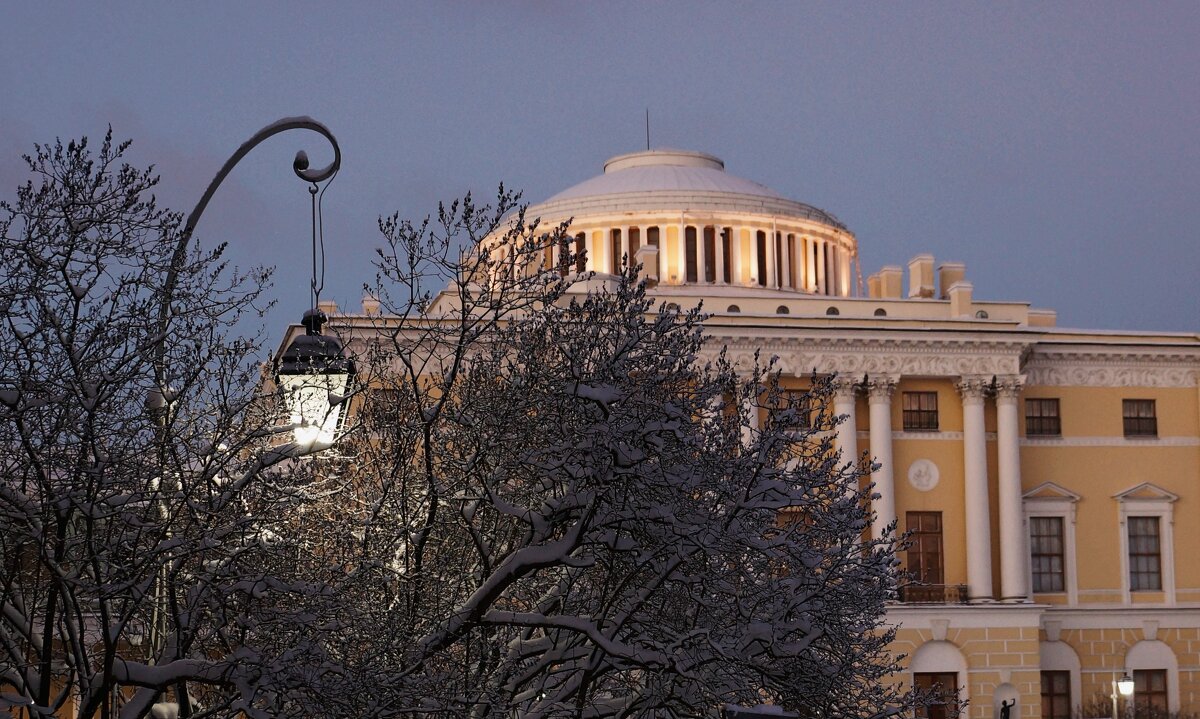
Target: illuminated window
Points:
(1042, 418)
(920, 411)
(1145, 554)
(1139, 418)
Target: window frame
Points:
(1134, 420)
(1148, 500)
(919, 418)
(915, 533)
(1035, 554)
(1144, 579)
(930, 680)
(1050, 500)
(1043, 424)
(1065, 677)
(1142, 695)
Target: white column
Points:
(846, 439)
(820, 266)
(624, 248)
(880, 388)
(847, 271)
(978, 517)
(1014, 555)
(718, 247)
(750, 406)
(700, 258)
(810, 266)
(754, 278)
(735, 255)
(772, 261)
(787, 261)
(681, 264)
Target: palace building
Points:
(1047, 475)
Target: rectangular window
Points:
(691, 266)
(925, 552)
(1046, 553)
(798, 400)
(920, 411)
(1139, 418)
(1041, 418)
(1145, 554)
(1150, 692)
(1056, 695)
(944, 685)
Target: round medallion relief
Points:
(923, 475)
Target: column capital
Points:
(845, 387)
(881, 386)
(1008, 387)
(972, 388)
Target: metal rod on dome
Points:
(647, 129)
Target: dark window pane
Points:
(920, 411)
(1145, 558)
(1139, 417)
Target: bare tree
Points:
(560, 509)
(135, 467)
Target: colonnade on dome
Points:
(743, 252)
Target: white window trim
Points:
(1129, 504)
(1062, 506)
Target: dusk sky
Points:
(1052, 147)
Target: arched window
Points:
(981, 315)
(782, 310)
(710, 254)
(760, 239)
(832, 311)
(615, 253)
(733, 308)
(726, 251)
(880, 312)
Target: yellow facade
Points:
(1096, 494)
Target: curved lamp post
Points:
(314, 372)
(313, 365)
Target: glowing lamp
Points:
(1125, 685)
(315, 377)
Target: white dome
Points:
(673, 180)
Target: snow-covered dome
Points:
(673, 180)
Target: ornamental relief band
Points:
(799, 363)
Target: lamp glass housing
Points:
(1125, 685)
(315, 406)
(315, 378)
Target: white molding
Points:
(1112, 367)
(1118, 616)
(1063, 507)
(857, 355)
(1180, 441)
(1160, 506)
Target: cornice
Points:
(1113, 368)
(929, 356)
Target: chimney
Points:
(960, 299)
(873, 286)
(647, 256)
(948, 274)
(370, 305)
(890, 280)
(329, 307)
(920, 276)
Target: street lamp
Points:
(315, 378)
(314, 356)
(1124, 687)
